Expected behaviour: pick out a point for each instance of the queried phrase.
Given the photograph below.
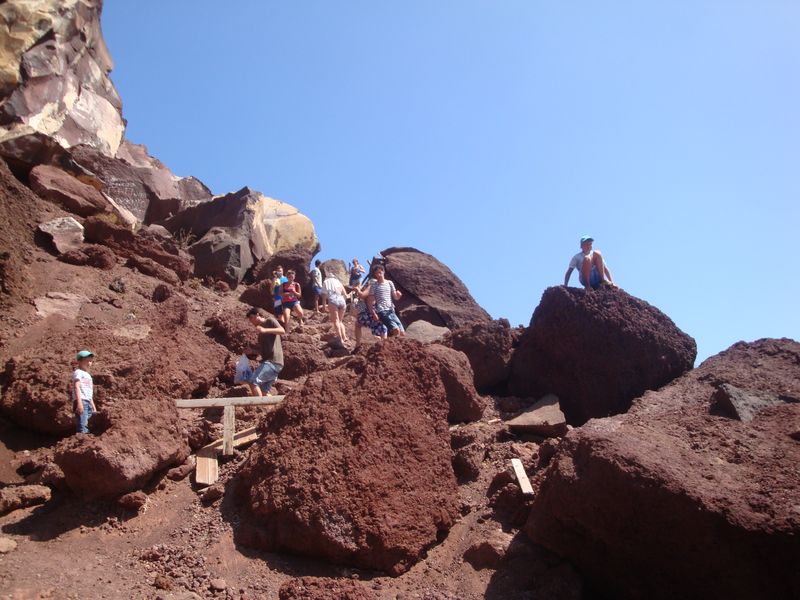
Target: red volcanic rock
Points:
(672, 501)
(465, 403)
(597, 351)
(126, 243)
(37, 395)
(14, 497)
(301, 357)
(141, 437)
(150, 267)
(234, 332)
(320, 588)
(489, 346)
(432, 292)
(259, 295)
(91, 255)
(355, 466)
(61, 188)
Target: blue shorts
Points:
(594, 278)
(278, 310)
(290, 305)
(317, 290)
(265, 375)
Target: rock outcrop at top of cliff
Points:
(59, 107)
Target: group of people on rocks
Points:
(373, 298)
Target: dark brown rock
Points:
(133, 500)
(489, 552)
(489, 346)
(22, 496)
(332, 472)
(320, 588)
(456, 373)
(597, 351)
(301, 357)
(91, 255)
(127, 244)
(61, 188)
(234, 332)
(734, 403)
(64, 234)
(259, 295)
(543, 418)
(132, 448)
(432, 292)
(425, 332)
(148, 266)
(681, 503)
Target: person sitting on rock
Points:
(83, 391)
(277, 302)
(269, 341)
(335, 293)
(290, 296)
(364, 309)
(320, 302)
(592, 269)
(383, 291)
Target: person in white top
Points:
(592, 269)
(83, 391)
(335, 293)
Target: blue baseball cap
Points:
(84, 354)
(587, 238)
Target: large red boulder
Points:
(465, 404)
(489, 346)
(355, 466)
(431, 291)
(597, 351)
(59, 187)
(139, 438)
(673, 501)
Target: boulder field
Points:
(671, 500)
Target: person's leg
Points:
(384, 317)
(599, 265)
(266, 375)
(298, 311)
(340, 315)
(333, 315)
(287, 318)
(586, 272)
(252, 384)
(82, 420)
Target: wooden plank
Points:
(207, 468)
(228, 429)
(245, 436)
(522, 477)
(216, 402)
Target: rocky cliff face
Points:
(54, 83)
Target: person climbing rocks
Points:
(269, 341)
(334, 292)
(320, 299)
(592, 269)
(384, 291)
(83, 391)
(290, 296)
(356, 271)
(278, 280)
(364, 311)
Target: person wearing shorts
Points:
(384, 292)
(277, 302)
(269, 341)
(364, 318)
(592, 269)
(290, 297)
(334, 291)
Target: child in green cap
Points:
(83, 391)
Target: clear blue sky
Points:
(493, 134)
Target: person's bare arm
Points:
(396, 294)
(608, 275)
(567, 275)
(298, 290)
(279, 330)
(363, 293)
(76, 385)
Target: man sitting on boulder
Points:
(592, 269)
(269, 340)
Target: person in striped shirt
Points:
(384, 292)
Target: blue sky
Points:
(493, 134)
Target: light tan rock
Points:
(543, 418)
